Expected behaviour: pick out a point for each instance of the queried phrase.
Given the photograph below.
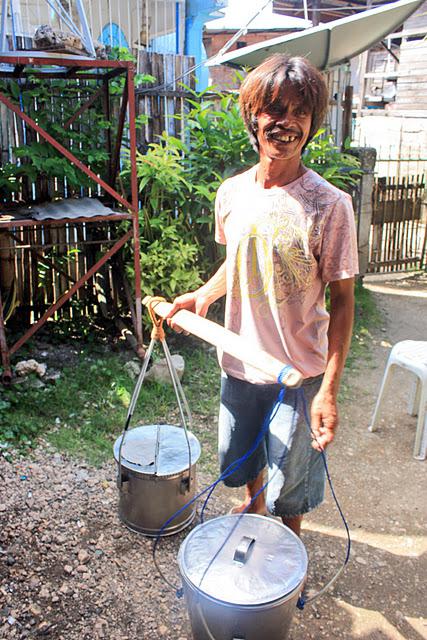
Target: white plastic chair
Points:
(410, 355)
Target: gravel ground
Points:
(70, 570)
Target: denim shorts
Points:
(296, 471)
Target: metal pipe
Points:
(7, 373)
(63, 15)
(87, 38)
(305, 10)
(3, 25)
(134, 206)
(177, 31)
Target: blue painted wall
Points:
(197, 12)
(112, 35)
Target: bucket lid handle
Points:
(243, 550)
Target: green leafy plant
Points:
(339, 168)
(169, 262)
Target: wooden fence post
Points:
(363, 206)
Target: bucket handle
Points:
(184, 410)
(243, 550)
(131, 408)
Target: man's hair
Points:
(266, 84)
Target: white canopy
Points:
(329, 44)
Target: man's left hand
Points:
(324, 419)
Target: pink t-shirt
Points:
(284, 245)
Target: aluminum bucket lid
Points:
(157, 449)
(243, 560)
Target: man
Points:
(288, 234)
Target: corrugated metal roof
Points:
(67, 208)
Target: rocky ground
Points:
(70, 570)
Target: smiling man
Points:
(288, 234)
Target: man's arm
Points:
(324, 412)
(199, 301)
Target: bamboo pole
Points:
(226, 340)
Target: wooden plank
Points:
(26, 278)
(408, 84)
(398, 210)
(169, 100)
(81, 264)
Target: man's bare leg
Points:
(258, 505)
(294, 524)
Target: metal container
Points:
(155, 478)
(242, 576)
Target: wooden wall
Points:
(412, 79)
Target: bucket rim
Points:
(149, 474)
(273, 601)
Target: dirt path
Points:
(71, 571)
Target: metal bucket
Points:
(155, 478)
(242, 576)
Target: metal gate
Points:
(399, 211)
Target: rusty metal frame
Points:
(83, 69)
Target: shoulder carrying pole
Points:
(228, 341)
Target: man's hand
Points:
(195, 301)
(199, 301)
(324, 411)
(324, 419)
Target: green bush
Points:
(339, 168)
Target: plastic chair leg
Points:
(414, 397)
(384, 384)
(420, 447)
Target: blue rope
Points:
(234, 466)
(302, 600)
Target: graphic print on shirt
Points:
(273, 260)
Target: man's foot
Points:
(254, 508)
(253, 492)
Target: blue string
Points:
(302, 600)
(234, 466)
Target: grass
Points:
(366, 318)
(85, 410)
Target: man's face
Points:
(283, 127)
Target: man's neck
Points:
(278, 173)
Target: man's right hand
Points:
(199, 301)
(195, 301)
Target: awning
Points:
(329, 44)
